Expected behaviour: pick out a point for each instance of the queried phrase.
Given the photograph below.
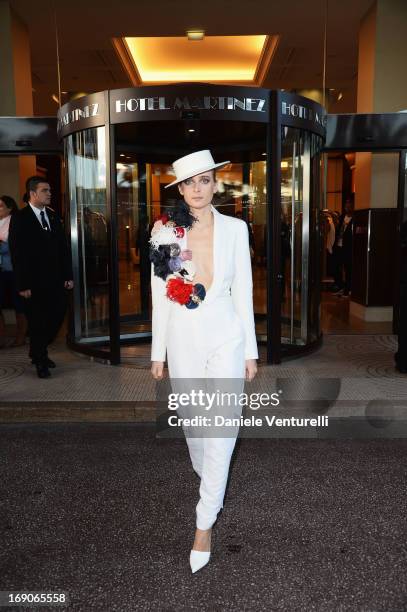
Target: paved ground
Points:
(106, 512)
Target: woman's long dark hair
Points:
(10, 203)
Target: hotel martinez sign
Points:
(188, 102)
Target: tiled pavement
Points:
(351, 375)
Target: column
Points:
(16, 95)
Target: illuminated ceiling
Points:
(215, 59)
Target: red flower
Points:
(164, 218)
(179, 291)
(179, 232)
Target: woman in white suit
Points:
(213, 335)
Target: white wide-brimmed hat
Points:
(193, 164)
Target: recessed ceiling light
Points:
(169, 59)
(191, 130)
(122, 155)
(195, 34)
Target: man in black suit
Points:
(342, 250)
(43, 269)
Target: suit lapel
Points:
(219, 240)
(36, 225)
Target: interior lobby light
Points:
(218, 59)
(191, 130)
(284, 164)
(195, 34)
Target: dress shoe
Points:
(48, 362)
(198, 559)
(42, 370)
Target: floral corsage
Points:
(173, 264)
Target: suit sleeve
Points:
(161, 310)
(19, 252)
(242, 290)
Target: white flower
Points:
(165, 235)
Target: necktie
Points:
(43, 221)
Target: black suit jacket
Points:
(347, 238)
(40, 258)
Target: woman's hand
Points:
(157, 370)
(251, 369)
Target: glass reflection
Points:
(300, 240)
(85, 153)
(293, 274)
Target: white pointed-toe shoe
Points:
(198, 559)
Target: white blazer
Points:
(232, 274)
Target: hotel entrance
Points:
(119, 147)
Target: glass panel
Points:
(133, 229)
(135, 218)
(293, 273)
(257, 217)
(315, 248)
(86, 159)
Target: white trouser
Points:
(208, 343)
